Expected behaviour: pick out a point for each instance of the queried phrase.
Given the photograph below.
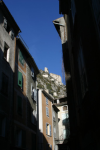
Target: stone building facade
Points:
(8, 32)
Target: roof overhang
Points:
(8, 15)
(57, 23)
(48, 95)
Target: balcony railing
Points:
(25, 45)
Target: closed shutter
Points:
(46, 129)
(50, 129)
(21, 59)
(20, 79)
(35, 94)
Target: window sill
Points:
(49, 135)
(47, 116)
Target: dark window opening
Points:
(6, 47)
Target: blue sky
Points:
(34, 17)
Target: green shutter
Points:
(21, 58)
(20, 79)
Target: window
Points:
(20, 79)
(82, 73)
(21, 58)
(4, 84)
(64, 134)
(64, 118)
(54, 132)
(2, 126)
(64, 108)
(19, 105)
(32, 72)
(47, 111)
(33, 117)
(6, 52)
(20, 138)
(46, 100)
(48, 129)
(5, 23)
(33, 93)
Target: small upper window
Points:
(6, 25)
(64, 108)
(32, 72)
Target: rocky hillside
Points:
(50, 84)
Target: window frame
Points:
(47, 112)
(48, 130)
(47, 101)
(64, 110)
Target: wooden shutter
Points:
(21, 59)
(20, 79)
